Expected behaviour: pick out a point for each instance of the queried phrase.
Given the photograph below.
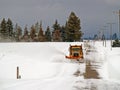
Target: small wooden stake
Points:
(18, 76)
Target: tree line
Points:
(103, 37)
(69, 32)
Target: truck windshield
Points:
(75, 49)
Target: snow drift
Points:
(43, 66)
(35, 60)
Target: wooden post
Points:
(18, 76)
(17, 72)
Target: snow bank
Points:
(111, 59)
(35, 60)
(114, 64)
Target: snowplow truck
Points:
(75, 52)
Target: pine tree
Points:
(95, 37)
(73, 28)
(15, 30)
(116, 43)
(63, 34)
(25, 31)
(3, 29)
(37, 27)
(66, 32)
(114, 37)
(19, 33)
(32, 33)
(25, 35)
(56, 35)
(9, 28)
(56, 26)
(48, 34)
(41, 35)
(19, 30)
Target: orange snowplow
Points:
(75, 52)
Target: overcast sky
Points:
(94, 14)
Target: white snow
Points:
(111, 57)
(43, 66)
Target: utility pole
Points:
(118, 13)
(111, 33)
(103, 35)
(106, 36)
(99, 35)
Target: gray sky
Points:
(94, 14)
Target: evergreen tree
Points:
(18, 33)
(56, 36)
(37, 27)
(32, 33)
(116, 43)
(114, 37)
(9, 28)
(63, 34)
(48, 34)
(66, 32)
(73, 28)
(25, 31)
(56, 26)
(41, 35)
(15, 30)
(95, 37)
(25, 36)
(3, 29)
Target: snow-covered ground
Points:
(111, 57)
(43, 66)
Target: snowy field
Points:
(43, 66)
